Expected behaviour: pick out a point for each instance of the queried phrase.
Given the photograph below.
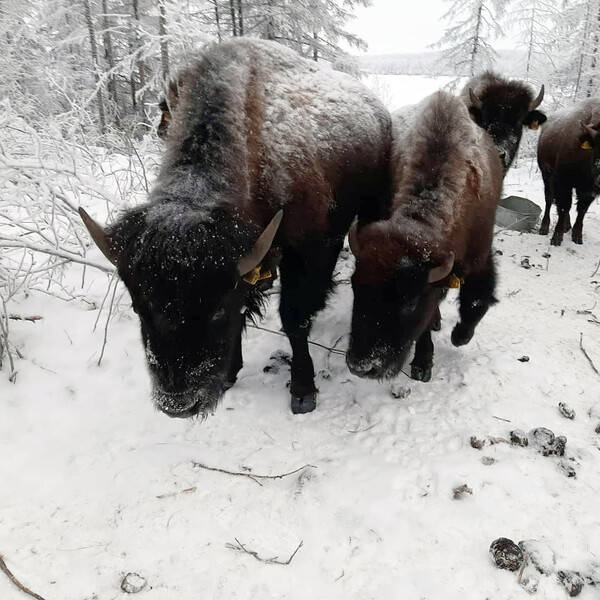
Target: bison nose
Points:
(362, 368)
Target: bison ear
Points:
(438, 273)
(534, 119)
(261, 247)
(102, 239)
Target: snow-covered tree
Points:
(472, 26)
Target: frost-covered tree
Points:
(472, 26)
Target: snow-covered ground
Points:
(94, 483)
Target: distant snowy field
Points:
(94, 483)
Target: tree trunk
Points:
(476, 38)
(217, 20)
(594, 58)
(583, 48)
(110, 59)
(531, 40)
(233, 19)
(94, 49)
(240, 18)
(315, 49)
(141, 67)
(164, 46)
(270, 24)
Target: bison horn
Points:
(535, 103)
(261, 247)
(439, 273)
(99, 235)
(589, 130)
(475, 101)
(353, 238)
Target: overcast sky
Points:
(391, 26)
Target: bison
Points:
(446, 183)
(268, 159)
(503, 107)
(569, 157)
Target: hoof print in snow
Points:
(278, 359)
(546, 442)
(567, 469)
(324, 375)
(498, 253)
(133, 583)
(566, 411)
(519, 438)
(525, 263)
(572, 582)
(523, 358)
(461, 490)
(488, 460)
(540, 555)
(506, 554)
(529, 582)
(400, 391)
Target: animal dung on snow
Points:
(566, 411)
(506, 554)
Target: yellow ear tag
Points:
(586, 145)
(254, 276)
(534, 125)
(167, 116)
(453, 282)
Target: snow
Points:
(85, 456)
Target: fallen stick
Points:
(19, 318)
(270, 561)
(587, 355)
(171, 494)
(252, 476)
(8, 573)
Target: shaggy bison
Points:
(446, 183)
(503, 107)
(569, 157)
(257, 132)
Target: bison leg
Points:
(306, 275)
(476, 296)
(564, 196)
(422, 364)
(549, 197)
(584, 199)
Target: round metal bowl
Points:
(518, 214)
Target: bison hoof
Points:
(420, 373)
(228, 384)
(577, 240)
(304, 404)
(461, 336)
(436, 325)
(555, 241)
(544, 230)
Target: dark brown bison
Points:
(256, 131)
(503, 107)
(446, 183)
(569, 158)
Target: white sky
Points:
(399, 26)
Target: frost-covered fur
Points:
(446, 183)
(566, 165)
(255, 128)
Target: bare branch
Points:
(269, 561)
(251, 475)
(15, 581)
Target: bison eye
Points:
(218, 316)
(409, 307)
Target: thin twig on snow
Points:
(587, 355)
(250, 475)
(270, 561)
(8, 573)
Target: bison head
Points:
(185, 278)
(396, 295)
(590, 142)
(503, 108)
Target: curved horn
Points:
(99, 235)
(438, 273)
(535, 103)
(589, 130)
(353, 238)
(475, 101)
(261, 247)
